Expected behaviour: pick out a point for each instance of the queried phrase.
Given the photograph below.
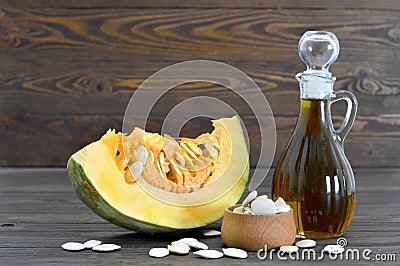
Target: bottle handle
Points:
(351, 111)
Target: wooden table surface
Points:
(40, 211)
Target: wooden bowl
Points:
(253, 232)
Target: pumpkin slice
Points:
(151, 183)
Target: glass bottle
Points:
(313, 174)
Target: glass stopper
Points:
(318, 49)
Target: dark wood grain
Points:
(69, 68)
(222, 34)
(373, 142)
(40, 211)
(106, 89)
(309, 4)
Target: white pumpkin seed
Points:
(73, 246)
(306, 243)
(247, 208)
(164, 164)
(249, 212)
(176, 169)
(140, 154)
(212, 151)
(239, 209)
(211, 233)
(280, 202)
(334, 249)
(136, 169)
(283, 209)
(158, 252)
(208, 141)
(91, 243)
(151, 156)
(162, 159)
(194, 148)
(187, 149)
(235, 253)
(180, 160)
(263, 206)
(289, 249)
(262, 197)
(106, 247)
(252, 195)
(281, 205)
(188, 162)
(179, 248)
(209, 254)
(161, 171)
(197, 245)
(187, 239)
(191, 242)
(126, 161)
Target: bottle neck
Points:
(316, 84)
(315, 115)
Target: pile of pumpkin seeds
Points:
(309, 243)
(184, 245)
(254, 204)
(95, 245)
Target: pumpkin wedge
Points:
(156, 184)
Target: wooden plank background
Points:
(68, 68)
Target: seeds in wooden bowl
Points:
(252, 195)
(239, 209)
(254, 204)
(248, 210)
(281, 205)
(262, 197)
(263, 206)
